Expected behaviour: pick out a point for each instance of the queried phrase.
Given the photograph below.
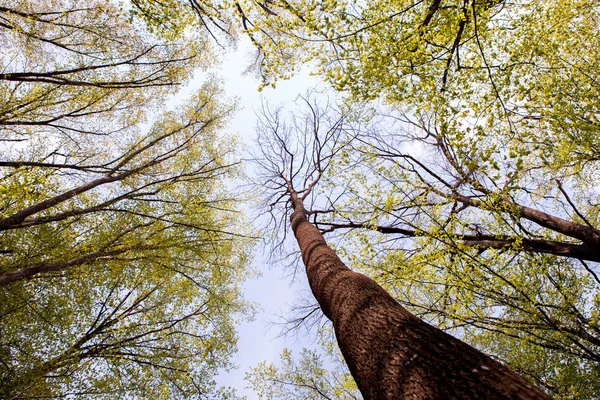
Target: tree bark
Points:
(391, 353)
(582, 251)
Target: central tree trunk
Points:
(391, 353)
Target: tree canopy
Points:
(463, 177)
(471, 195)
(122, 250)
(316, 375)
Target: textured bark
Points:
(391, 353)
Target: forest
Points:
(441, 198)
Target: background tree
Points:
(314, 376)
(122, 252)
(69, 70)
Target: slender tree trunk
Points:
(391, 353)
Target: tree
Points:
(122, 251)
(460, 257)
(309, 378)
(69, 70)
(390, 353)
(476, 206)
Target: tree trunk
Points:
(391, 353)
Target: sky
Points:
(274, 292)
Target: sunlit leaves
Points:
(490, 108)
(122, 250)
(311, 375)
(68, 69)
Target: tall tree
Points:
(390, 353)
(442, 259)
(121, 248)
(478, 206)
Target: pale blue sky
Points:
(273, 292)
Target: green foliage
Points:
(68, 69)
(481, 168)
(180, 18)
(122, 247)
(513, 70)
(314, 375)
